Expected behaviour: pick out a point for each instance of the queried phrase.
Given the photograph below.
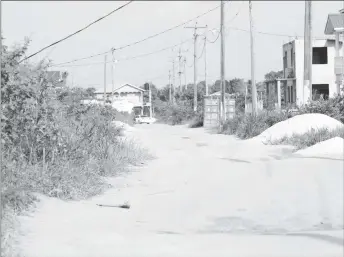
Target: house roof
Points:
(101, 91)
(334, 21)
(140, 89)
(218, 93)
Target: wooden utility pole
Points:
(205, 65)
(112, 81)
(253, 79)
(105, 79)
(173, 81)
(150, 99)
(180, 70)
(170, 86)
(185, 86)
(195, 63)
(223, 85)
(307, 74)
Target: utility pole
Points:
(205, 65)
(223, 85)
(112, 81)
(185, 86)
(253, 79)
(104, 79)
(173, 82)
(195, 63)
(170, 86)
(112, 76)
(307, 74)
(150, 99)
(180, 71)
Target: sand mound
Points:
(333, 147)
(299, 124)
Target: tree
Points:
(237, 85)
(273, 75)
(91, 91)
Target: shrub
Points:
(53, 144)
(333, 107)
(247, 125)
(174, 114)
(197, 121)
(310, 138)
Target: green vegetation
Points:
(52, 144)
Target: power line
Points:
(212, 42)
(167, 30)
(236, 15)
(125, 59)
(273, 34)
(80, 30)
(231, 20)
(202, 50)
(147, 38)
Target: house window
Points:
(319, 55)
(320, 91)
(292, 57)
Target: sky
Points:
(45, 22)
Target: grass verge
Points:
(310, 138)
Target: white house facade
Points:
(323, 70)
(125, 96)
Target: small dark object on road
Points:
(123, 206)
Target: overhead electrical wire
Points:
(202, 51)
(124, 59)
(80, 30)
(212, 42)
(147, 38)
(231, 20)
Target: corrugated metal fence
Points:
(212, 110)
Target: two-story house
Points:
(323, 71)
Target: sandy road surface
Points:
(203, 195)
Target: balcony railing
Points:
(339, 65)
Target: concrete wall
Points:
(321, 73)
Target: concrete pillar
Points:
(338, 76)
(279, 94)
(142, 103)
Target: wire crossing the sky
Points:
(80, 30)
(145, 39)
(127, 58)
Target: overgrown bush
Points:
(247, 125)
(197, 121)
(333, 107)
(175, 114)
(310, 138)
(53, 144)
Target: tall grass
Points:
(301, 141)
(245, 126)
(54, 145)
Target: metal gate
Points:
(212, 109)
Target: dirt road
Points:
(203, 195)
